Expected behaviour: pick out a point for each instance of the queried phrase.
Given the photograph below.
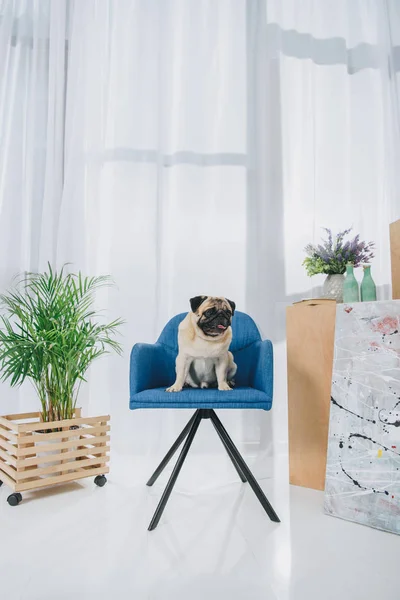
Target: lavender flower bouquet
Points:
(332, 256)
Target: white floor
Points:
(82, 542)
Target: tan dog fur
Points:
(203, 360)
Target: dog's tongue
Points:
(221, 327)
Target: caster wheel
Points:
(14, 499)
(100, 480)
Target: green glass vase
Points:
(368, 287)
(351, 292)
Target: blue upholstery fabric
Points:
(153, 369)
(242, 397)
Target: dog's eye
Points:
(209, 312)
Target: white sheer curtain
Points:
(193, 146)
(339, 73)
(32, 115)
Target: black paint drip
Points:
(395, 423)
(351, 412)
(392, 424)
(353, 480)
(365, 437)
(357, 483)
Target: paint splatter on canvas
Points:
(363, 465)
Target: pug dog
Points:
(204, 337)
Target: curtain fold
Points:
(191, 147)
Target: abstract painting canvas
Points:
(363, 463)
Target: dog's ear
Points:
(196, 301)
(232, 305)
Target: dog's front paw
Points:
(224, 387)
(174, 388)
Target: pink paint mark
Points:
(348, 309)
(374, 345)
(386, 326)
(394, 446)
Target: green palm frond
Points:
(51, 332)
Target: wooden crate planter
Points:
(75, 448)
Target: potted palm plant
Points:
(50, 333)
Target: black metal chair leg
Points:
(238, 469)
(244, 468)
(171, 451)
(175, 472)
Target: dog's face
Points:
(213, 315)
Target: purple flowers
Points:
(332, 255)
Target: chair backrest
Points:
(244, 332)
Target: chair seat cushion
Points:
(240, 397)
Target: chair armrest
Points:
(264, 371)
(256, 366)
(152, 366)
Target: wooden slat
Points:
(24, 427)
(83, 452)
(64, 439)
(67, 466)
(31, 415)
(103, 435)
(7, 458)
(81, 441)
(11, 471)
(31, 485)
(9, 425)
(90, 469)
(6, 479)
(43, 437)
(9, 447)
(21, 416)
(32, 453)
(5, 433)
(5, 423)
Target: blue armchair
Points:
(152, 370)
